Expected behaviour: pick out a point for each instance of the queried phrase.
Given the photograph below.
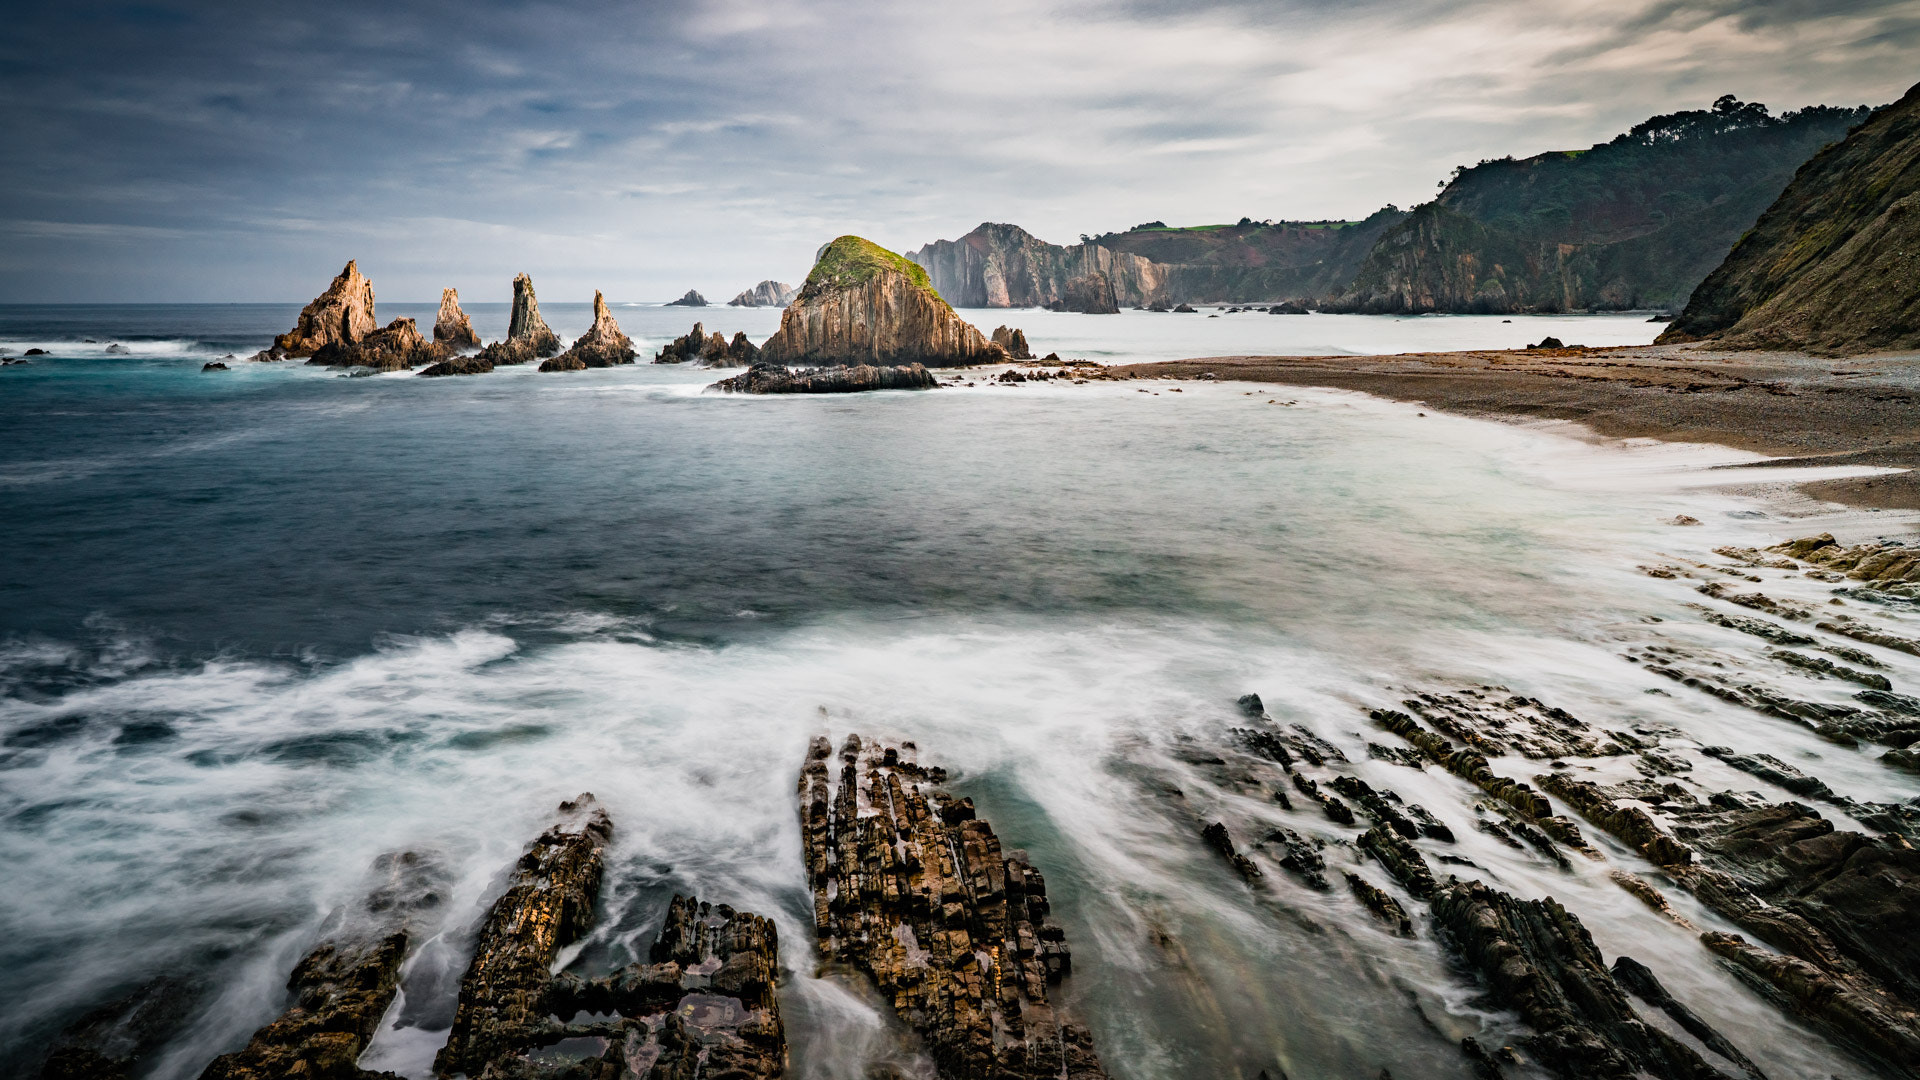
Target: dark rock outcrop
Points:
(863, 304)
(528, 336)
(476, 364)
(1014, 341)
(1089, 294)
(1006, 266)
(1833, 265)
(451, 327)
(775, 379)
(341, 316)
(766, 294)
(120, 1039)
(601, 346)
(692, 299)
(394, 347)
(343, 987)
(709, 350)
(214, 366)
(913, 889)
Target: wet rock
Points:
(1773, 771)
(1381, 904)
(765, 378)
(1877, 562)
(603, 345)
(343, 987)
(912, 888)
(1630, 823)
(1252, 706)
(120, 1039)
(1013, 341)
(1336, 810)
(1298, 855)
(1823, 666)
(1288, 307)
(692, 299)
(548, 904)
(863, 304)
(1473, 767)
(1402, 860)
(1759, 628)
(214, 366)
(43, 352)
(710, 350)
(528, 336)
(340, 317)
(1859, 630)
(451, 327)
(1377, 807)
(117, 349)
(1756, 601)
(766, 294)
(460, 365)
(1639, 981)
(1862, 1020)
(1184, 309)
(1494, 720)
(1539, 960)
(394, 347)
(1216, 837)
(1548, 343)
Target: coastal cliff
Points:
(1633, 223)
(863, 304)
(1833, 266)
(766, 294)
(999, 265)
(340, 316)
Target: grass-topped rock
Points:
(863, 304)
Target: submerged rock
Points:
(863, 304)
(914, 890)
(339, 317)
(215, 366)
(775, 379)
(1014, 341)
(766, 294)
(601, 346)
(122, 1038)
(710, 350)
(692, 299)
(394, 347)
(460, 365)
(451, 326)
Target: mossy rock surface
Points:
(852, 261)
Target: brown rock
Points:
(863, 304)
(601, 346)
(340, 316)
(394, 347)
(1014, 341)
(526, 325)
(451, 327)
(711, 350)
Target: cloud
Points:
(243, 152)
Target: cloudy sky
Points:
(244, 151)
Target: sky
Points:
(243, 151)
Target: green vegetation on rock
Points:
(851, 260)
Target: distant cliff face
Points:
(1007, 266)
(1834, 264)
(766, 294)
(863, 304)
(1632, 223)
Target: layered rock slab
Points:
(776, 379)
(863, 304)
(914, 890)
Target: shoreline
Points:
(1795, 408)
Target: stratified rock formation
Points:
(528, 338)
(1089, 294)
(1012, 340)
(601, 346)
(703, 1005)
(863, 304)
(340, 316)
(1006, 266)
(342, 988)
(766, 294)
(1632, 223)
(911, 888)
(692, 299)
(1833, 266)
(710, 350)
(776, 379)
(451, 327)
(394, 347)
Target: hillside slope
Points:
(1833, 266)
(1632, 223)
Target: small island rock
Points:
(766, 294)
(776, 379)
(711, 350)
(863, 304)
(1014, 341)
(692, 299)
(451, 326)
(340, 316)
(602, 346)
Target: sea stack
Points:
(692, 299)
(1833, 266)
(766, 294)
(340, 316)
(602, 346)
(451, 327)
(526, 323)
(1014, 341)
(863, 304)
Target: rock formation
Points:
(340, 316)
(863, 304)
(476, 364)
(710, 350)
(914, 890)
(1833, 265)
(1012, 340)
(393, 347)
(703, 1005)
(775, 379)
(343, 987)
(692, 299)
(451, 327)
(1006, 266)
(1089, 294)
(766, 294)
(122, 1039)
(601, 346)
(528, 338)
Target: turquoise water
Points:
(258, 626)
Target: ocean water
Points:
(259, 626)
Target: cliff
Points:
(863, 304)
(1007, 266)
(1633, 223)
(1833, 266)
(340, 316)
(765, 294)
(601, 346)
(451, 326)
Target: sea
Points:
(259, 626)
